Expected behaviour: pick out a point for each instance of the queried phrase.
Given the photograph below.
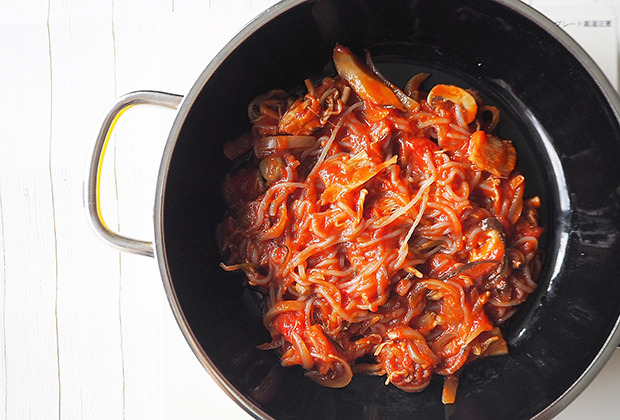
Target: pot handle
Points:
(91, 184)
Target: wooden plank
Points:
(226, 5)
(29, 326)
(3, 366)
(261, 5)
(90, 357)
(195, 6)
(139, 141)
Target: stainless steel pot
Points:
(557, 107)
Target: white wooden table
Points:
(86, 332)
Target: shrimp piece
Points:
(492, 154)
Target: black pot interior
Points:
(568, 140)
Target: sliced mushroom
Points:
(364, 82)
(272, 167)
(456, 95)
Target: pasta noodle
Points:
(386, 231)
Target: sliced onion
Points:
(408, 102)
(236, 267)
(274, 145)
(302, 351)
(274, 96)
(413, 85)
(339, 375)
(450, 384)
(489, 125)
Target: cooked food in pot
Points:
(385, 229)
